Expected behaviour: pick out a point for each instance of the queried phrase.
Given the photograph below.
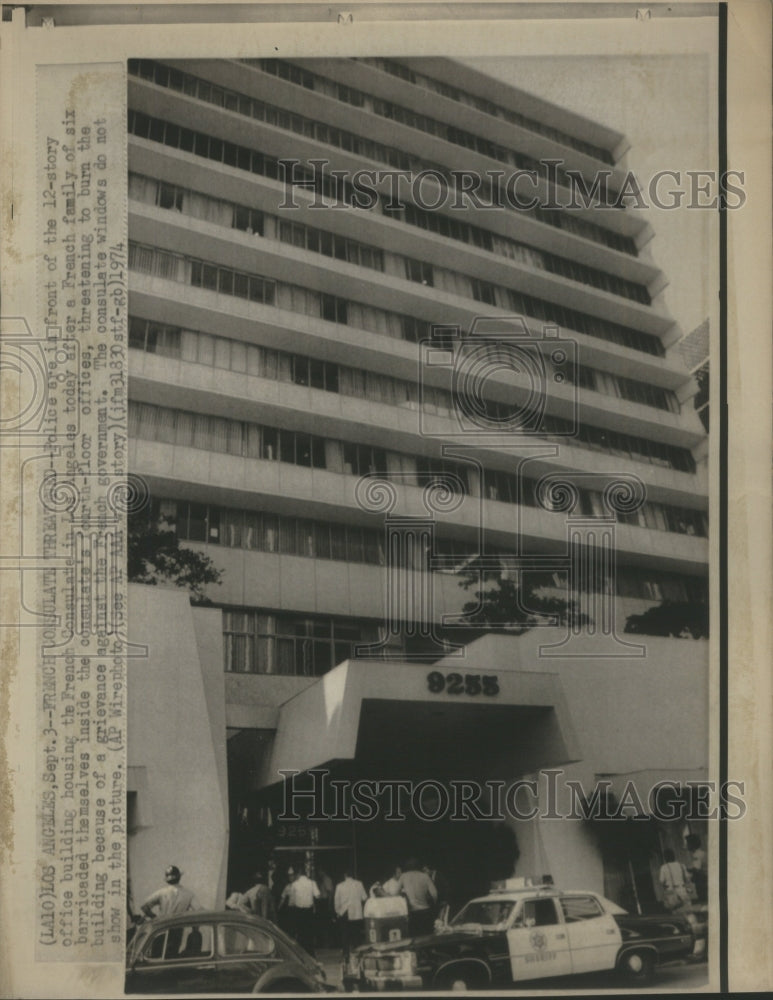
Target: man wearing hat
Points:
(171, 898)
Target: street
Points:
(677, 977)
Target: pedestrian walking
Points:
(421, 894)
(324, 909)
(170, 898)
(299, 895)
(678, 890)
(349, 896)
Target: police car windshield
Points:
(485, 912)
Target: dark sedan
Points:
(218, 952)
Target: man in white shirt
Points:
(392, 885)
(172, 898)
(419, 889)
(299, 895)
(349, 897)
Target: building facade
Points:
(318, 248)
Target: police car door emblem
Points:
(538, 940)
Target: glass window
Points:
(322, 541)
(137, 333)
(580, 908)
(338, 541)
(270, 444)
(155, 950)
(190, 942)
(197, 525)
(354, 544)
(318, 459)
(239, 940)
(537, 913)
(286, 446)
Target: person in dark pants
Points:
(419, 889)
(325, 914)
(299, 895)
(349, 897)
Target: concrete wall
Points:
(176, 740)
(647, 717)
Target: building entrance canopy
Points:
(394, 719)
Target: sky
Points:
(664, 106)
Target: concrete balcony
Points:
(376, 229)
(249, 80)
(189, 473)
(231, 248)
(205, 389)
(281, 144)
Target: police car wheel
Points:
(460, 982)
(638, 966)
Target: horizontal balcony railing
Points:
(310, 491)
(613, 358)
(207, 389)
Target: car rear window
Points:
(241, 940)
(179, 943)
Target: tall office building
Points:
(297, 325)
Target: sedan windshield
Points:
(485, 912)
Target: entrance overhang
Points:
(642, 786)
(391, 715)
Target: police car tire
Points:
(637, 966)
(462, 981)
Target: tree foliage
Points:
(680, 619)
(513, 604)
(154, 555)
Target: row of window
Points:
(256, 288)
(249, 440)
(193, 86)
(262, 641)
(395, 112)
(266, 291)
(625, 388)
(334, 187)
(236, 355)
(489, 107)
(250, 107)
(435, 222)
(226, 213)
(265, 362)
(259, 531)
(305, 646)
(339, 190)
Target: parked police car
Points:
(520, 933)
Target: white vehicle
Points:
(520, 933)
